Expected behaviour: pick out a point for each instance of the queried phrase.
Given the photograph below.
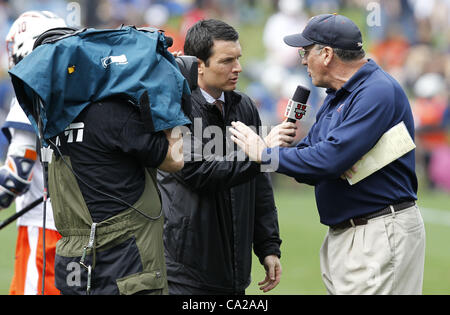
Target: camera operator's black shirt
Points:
(109, 149)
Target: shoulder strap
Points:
(55, 34)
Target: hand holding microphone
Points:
(253, 145)
(283, 135)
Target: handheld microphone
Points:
(296, 107)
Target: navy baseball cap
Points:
(336, 31)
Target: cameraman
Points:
(114, 166)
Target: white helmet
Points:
(25, 30)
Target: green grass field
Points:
(302, 236)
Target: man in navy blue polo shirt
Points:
(376, 240)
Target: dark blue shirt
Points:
(349, 123)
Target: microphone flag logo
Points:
(300, 110)
(295, 110)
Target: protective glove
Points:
(15, 179)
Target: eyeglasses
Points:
(303, 53)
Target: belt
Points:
(362, 220)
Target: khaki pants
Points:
(385, 256)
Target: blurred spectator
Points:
(6, 94)
(429, 107)
(157, 15)
(19, 6)
(416, 64)
(289, 17)
(264, 101)
(391, 53)
(433, 19)
(195, 14)
(250, 12)
(396, 14)
(439, 168)
(323, 6)
(446, 122)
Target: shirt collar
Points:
(211, 99)
(360, 75)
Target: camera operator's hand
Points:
(174, 159)
(177, 53)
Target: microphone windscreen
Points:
(296, 107)
(301, 95)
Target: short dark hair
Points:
(200, 37)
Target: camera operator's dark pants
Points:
(182, 289)
(123, 254)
